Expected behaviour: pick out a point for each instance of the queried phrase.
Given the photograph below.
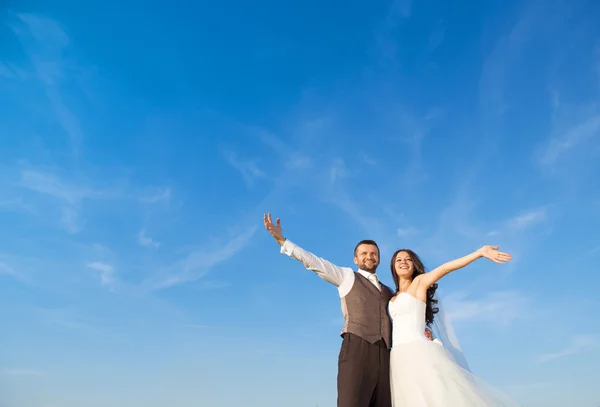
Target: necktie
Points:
(373, 278)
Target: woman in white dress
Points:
(423, 373)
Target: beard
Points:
(371, 269)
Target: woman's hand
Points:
(492, 253)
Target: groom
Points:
(364, 361)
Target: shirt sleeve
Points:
(328, 271)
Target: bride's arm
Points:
(490, 252)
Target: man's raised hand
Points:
(274, 228)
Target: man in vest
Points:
(364, 361)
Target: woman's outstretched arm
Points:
(489, 252)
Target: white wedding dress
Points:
(423, 373)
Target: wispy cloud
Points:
(66, 318)
(9, 271)
(386, 44)
(71, 220)
(353, 208)
(578, 344)
(292, 159)
(199, 262)
(11, 71)
(15, 273)
(198, 326)
(145, 240)
(411, 129)
(248, 168)
(528, 219)
(213, 285)
(597, 60)
(437, 36)
(106, 271)
(368, 159)
(16, 205)
(45, 41)
(50, 184)
(402, 232)
(497, 67)
(337, 170)
(70, 194)
(23, 372)
(495, 307)
(154, 195)
(559, 145)
(456, 220)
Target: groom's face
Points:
(367, 257)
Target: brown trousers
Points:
(363, 373)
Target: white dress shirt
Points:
(341, 277)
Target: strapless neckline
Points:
(409, 295)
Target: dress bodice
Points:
(408, 319)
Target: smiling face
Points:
(404, 265)
(366, 257)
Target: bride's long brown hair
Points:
(418, 268)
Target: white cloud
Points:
(525, 220)
(437, 36)
(248, 168)
(50, 184)
(146, 240)
(213, 285)
(9, 271)
(578, 344)
(70, 194)
(368, 159)
(385, 41)
(23, 372)
(499, 308)
(65, 318)
(401, 232)
(106, 272)
(337, 170)
(198, 326)
(155, 196)
(45, 41)
(576, 136)
(71, 220)
(496, 68)
(528, 219)
(291, 158)
(199, 262)
(16, 205)
(11, 71)
(5, 269)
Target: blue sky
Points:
(140, 146)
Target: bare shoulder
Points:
(418, 281)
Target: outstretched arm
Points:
(326, 270)
(489, 252)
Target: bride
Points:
(423, 373)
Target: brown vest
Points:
(365, 310)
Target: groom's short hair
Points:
(366, 241)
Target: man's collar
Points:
(366, 273)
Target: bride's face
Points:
(404, 265)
